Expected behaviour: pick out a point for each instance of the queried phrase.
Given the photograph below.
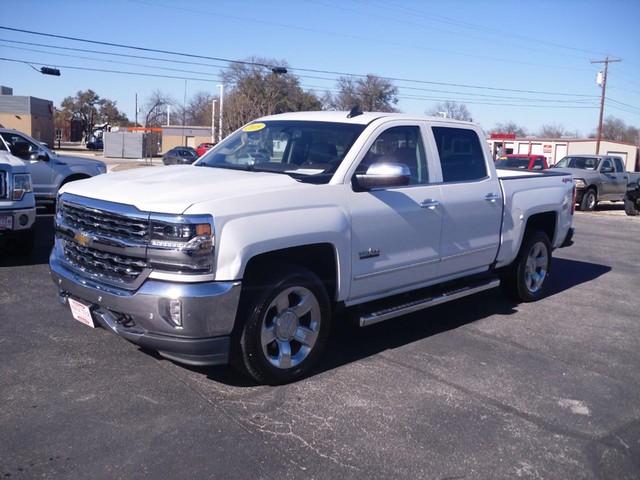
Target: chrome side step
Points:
(421, 304)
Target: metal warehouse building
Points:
(554, 149)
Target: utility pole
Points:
(606, 62)
(220, 114)
(213, 121)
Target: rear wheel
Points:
(630, 207)
(282, 325)
(589, 201)
(527, 278)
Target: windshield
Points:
(583, 163)
(513, 162)
(309, 151)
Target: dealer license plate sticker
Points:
(81, 312)
(6, 222)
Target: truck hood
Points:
(73, 160)
(173, 189)
(576, 172)
(7, 159)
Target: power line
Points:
(327, 72)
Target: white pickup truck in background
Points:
(245, 256)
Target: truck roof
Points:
(361, 119)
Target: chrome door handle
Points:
(430, 204)
(492, 197)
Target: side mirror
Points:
(384, 175)
(42, 155)
(607, 170)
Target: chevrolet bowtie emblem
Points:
(83, 239)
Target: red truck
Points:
(521, 160)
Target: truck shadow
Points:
(349, 343)
(41, 249)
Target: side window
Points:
(619, 165)
(20, 146)
(461, 156)
(537, 164)
(607, 163)
(399, 145)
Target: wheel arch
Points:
(546, 222)
(319, 258)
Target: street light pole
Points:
(220, 119)
(213, 121)
(606, 62)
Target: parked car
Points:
(294, 217)
(180, 156)
(632, 199)
(597, 177)
(528, 162)
(49, 171)
(204, 148)
(17, 205)
(95, 145)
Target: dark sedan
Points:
(180, 156)
(95, 145)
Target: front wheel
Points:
(527, 278)
(282, 325)
(589, 201)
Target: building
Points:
(556, 148)
(188, 136)
(30, 115)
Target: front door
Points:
(395, 231)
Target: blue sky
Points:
(523, 61)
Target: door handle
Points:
(492, 197)
(430, 204)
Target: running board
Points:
(443, 297)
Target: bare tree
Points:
(455, 110)
(156, 109)
(616, 129)
(254, 88)
(371, 93)
(510, 127)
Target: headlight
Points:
(102, 168)
(182, 244)
(579, 183)
(21, 185)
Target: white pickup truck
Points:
(245, 256)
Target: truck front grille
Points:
(3, 185)
(118, 269)
(104, 222)
(104, 240)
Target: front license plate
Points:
(6, 222)
(81, 312)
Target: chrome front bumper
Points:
(208, 312)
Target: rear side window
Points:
(619, 164)
(460, 153)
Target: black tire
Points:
(630, 207)
(526, 279)
(282, 325)
(589, 201)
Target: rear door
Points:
(472, 202)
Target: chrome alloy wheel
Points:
(536, 267)
(290, 327)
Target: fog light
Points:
(23, 220)
(175, 312)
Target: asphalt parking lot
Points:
(481, 388)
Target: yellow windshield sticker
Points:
(254, 127)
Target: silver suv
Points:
(49, 171)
